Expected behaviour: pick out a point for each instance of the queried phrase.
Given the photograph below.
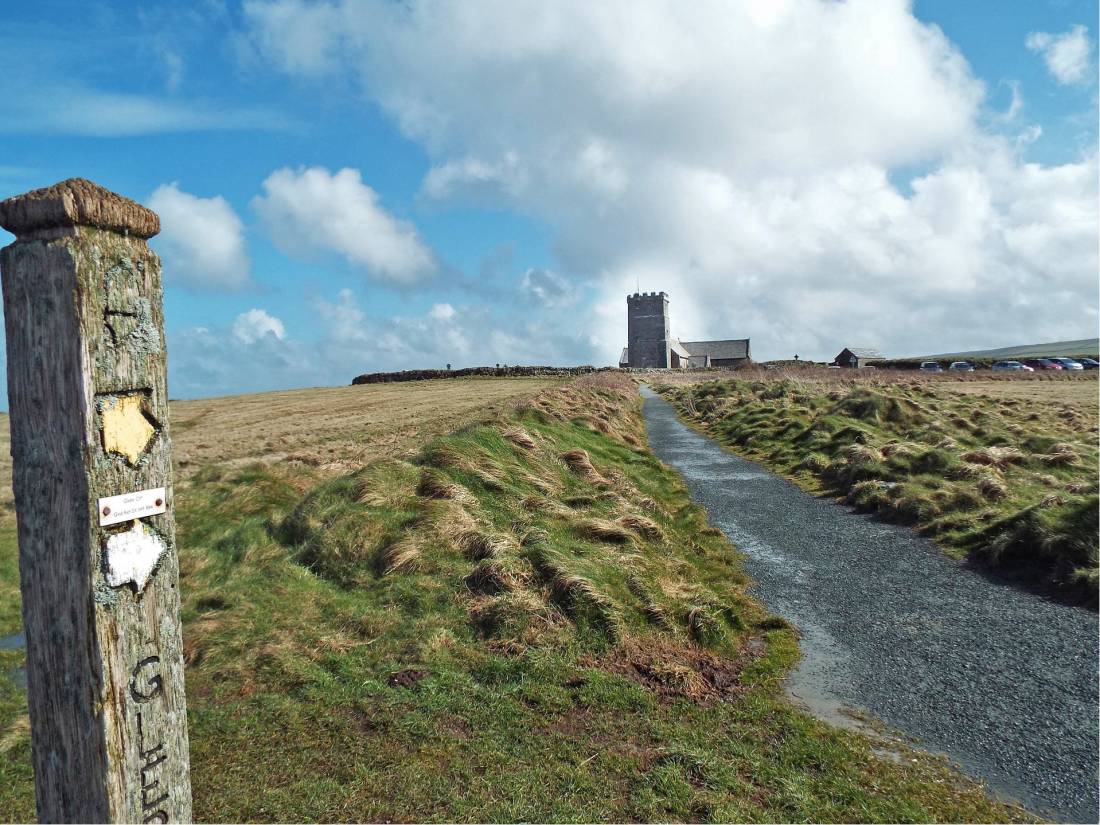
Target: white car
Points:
(1011, 366)
(1068, 363)
(961, 366)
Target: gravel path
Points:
(1002, 681)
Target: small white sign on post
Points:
(129, 506)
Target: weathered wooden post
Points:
(93, 496)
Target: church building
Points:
(650, 344)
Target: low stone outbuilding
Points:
(856, 357)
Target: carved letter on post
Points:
(93, 495)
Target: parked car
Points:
(930, 366)
(1042, 364)
(961, 366)
(1089, 363)
(1067, 363)
(1011, 366)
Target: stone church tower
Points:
(647, 330)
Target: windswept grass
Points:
(1009, 480)
(529, 620)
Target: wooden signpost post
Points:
(93, 492)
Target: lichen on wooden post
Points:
(89, 421)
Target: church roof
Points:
(864, 352)
(733, 348)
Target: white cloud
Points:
(255, 325)
(462, 336)
(442, 312)
(1066, 54)
(257, 352)
(468, 175)
(742, 157)
(304, 36)
(201, 240)
(311, 210)
(547, 288)
(207, 362)
(52, 83)
(67, 109)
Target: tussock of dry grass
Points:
(16, 735)
(604, 530)
(199, 637)
(579, 462)
(999, 457)
(1060, 455)
(490, 479)
(704, 627)
(640, 524)
(478, 545)
(403, 556)
(434, 485)
(583, 599)
(493, 576)
(444, 455)
(993, 488)
(542, 485)
(520, 437)
(968, 471)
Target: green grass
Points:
(1087, 347)
(1010, 483)
(531, 621)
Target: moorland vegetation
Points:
(1004, 477)
(528, 619)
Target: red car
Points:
(1042, 364)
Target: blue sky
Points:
(919, 177)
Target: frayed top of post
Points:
(76, 202)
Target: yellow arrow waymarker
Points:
(126, 430)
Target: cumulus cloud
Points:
(213, 361)
(313, 210)
(547, 288)
(259, 352)
(462, 336)
(743, 157)
(303, 36)
(255, 324)
(442, 312)
(201, 240)
(1066, 55)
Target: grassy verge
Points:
(1009, 482)
(530, 621)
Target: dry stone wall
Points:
(495, 372)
